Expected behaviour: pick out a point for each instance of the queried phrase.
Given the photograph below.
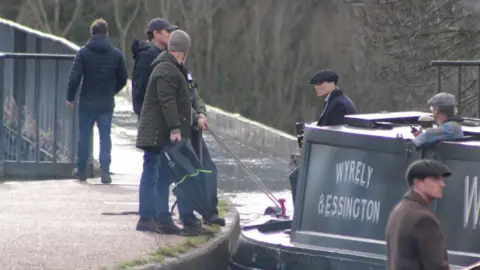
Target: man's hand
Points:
(202, 122)
(175, 135)
(69, 104)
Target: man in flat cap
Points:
(335, 106)
(144, 52)
(443, 110)
(166, 117)
(415, 239)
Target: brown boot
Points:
(147, 226)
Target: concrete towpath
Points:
(62, 224)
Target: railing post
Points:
(2, 124)
(439, 79)
(478, 92)
(459, 88)
(55, 113)
(37, 109)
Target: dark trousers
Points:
(154, 192)
(208, 164)
(86, 121)
(293, 178)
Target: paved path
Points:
(59, 225)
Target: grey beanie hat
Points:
(179, 41)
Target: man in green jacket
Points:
(166, 117)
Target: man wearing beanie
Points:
(166, 117)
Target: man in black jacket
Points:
(104, 74)
(335, 106)
(158, 33)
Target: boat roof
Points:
(398, 125)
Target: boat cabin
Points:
(352, 175)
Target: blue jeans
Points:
(154, 192)
(86, 121)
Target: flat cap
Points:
(324, 75)
(160, 24)
(442, 99)
(426, 167)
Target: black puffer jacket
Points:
(104, 74)
(143, 53)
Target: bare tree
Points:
(123, 21)
(53, 16)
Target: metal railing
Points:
(467, 83)
(39, 131)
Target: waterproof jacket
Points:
(167, 105)
(415, 239)
(144, 53)
(104, 73)
(335, 107)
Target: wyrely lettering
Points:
(354, 172)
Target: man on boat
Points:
(335, 106)
(415, 239)
(443, 110)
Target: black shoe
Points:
(81, 176)
(216, 220)
(168, 227)
(147, 226)
(195, 229)
(106, 179)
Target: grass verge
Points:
(174, 251)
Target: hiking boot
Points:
(168, 227)
(216, 220)
(147, 226)
(195, 229)
(105, 178)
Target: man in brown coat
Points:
(414, 236)
(166, 117)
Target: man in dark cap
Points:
(158, 32)
(415, 239)
(444, 112)
(100, 69)
(335, 106)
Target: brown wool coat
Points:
(415, 240)
(166, 106)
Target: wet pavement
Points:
(233, 180)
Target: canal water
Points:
(233, 181)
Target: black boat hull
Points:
(258, 251)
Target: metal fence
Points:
(464, 78)
(38, 129)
